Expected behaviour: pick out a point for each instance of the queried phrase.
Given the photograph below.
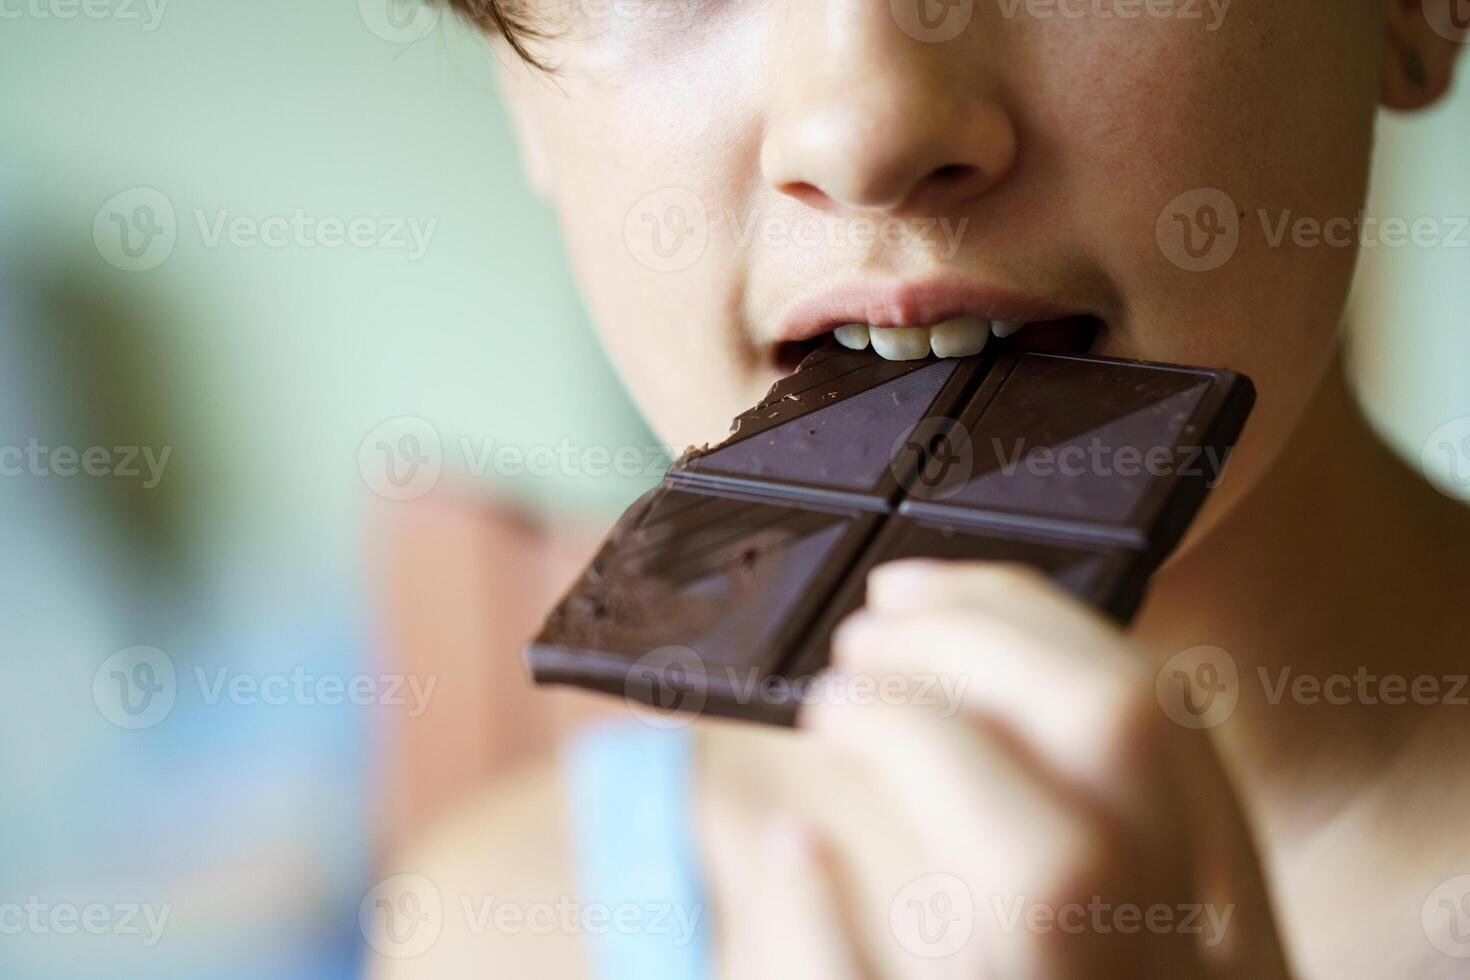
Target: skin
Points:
(1058, 779)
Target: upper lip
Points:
(913, 304)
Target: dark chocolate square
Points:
(1087, 447)
(833, 435)
(732, 582)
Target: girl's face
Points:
(735, 176)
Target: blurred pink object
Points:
(464, 583)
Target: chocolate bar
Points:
(718, 591)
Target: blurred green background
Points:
(268, 374)
(274, 374)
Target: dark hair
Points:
(506, 18)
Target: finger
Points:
(1091, 720)
(917, 583)
(1104, 690)
(1100, 691)
(804, 931)
(1028, 855)
(1086, 722)
(911, 583)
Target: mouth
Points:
(938, 319)
(959, 337)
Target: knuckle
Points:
(1130, 728)
(1093, 862)
(1017, 577)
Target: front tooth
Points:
(901, 343)
(852, 335)
(1004, 328)
(959, 337)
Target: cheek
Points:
(1266, 121)
(646, 175)
(638, 186)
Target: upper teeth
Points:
(959, 337)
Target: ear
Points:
(1422, 39)
(517, 85)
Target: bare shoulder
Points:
(483, 892)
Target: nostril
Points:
(950, 183)
(808, 194)
(956, 177)
(952, 172)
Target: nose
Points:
(872, 119)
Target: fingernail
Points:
(815, 711)
(899, 579)
(851, 634)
